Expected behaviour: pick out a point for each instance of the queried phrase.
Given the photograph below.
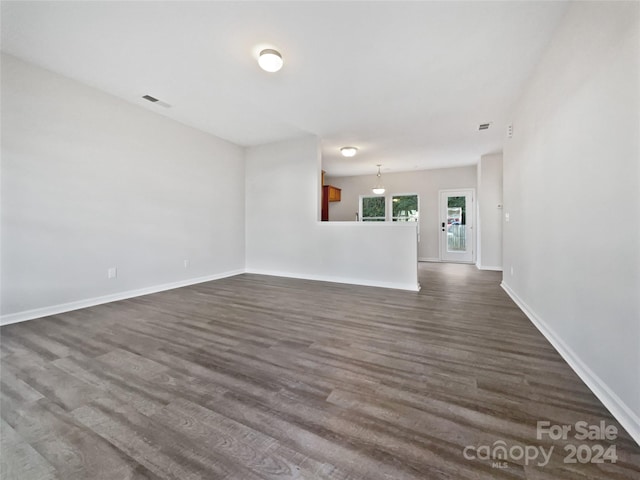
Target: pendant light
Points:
(379, 188)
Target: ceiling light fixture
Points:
(270, 60)
(348, 151)
(379, 188)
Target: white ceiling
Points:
(407, 83)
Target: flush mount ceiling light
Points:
(270, 60)
(379, 188)
(348, 151)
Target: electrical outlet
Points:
(186, 263)
(112, 272)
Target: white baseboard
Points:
(413, 287)
(91, 302)
(619, 409)
(489, 267)
(429, 259)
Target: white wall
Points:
(489, 212)
(91, 182)
(426, 183)
(284, 236)
(572, 183)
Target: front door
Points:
(457, 239)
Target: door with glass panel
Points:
(457, 238)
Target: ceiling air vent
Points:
(156, 101)
(484, 126)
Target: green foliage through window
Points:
(459, 203)
(405, 208)
(373, 209)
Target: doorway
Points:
(457, 219)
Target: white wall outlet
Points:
(509, 131)
(186, 263)
(112, 272)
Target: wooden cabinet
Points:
(333, 193)
(329, 194)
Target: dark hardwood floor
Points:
(256, 377)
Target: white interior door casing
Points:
(457, 222)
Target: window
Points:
(372, 209)
(404, 208)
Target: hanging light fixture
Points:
(270, 60)
(379, 188)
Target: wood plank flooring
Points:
(256, 377)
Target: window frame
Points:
(360, 208)
(411, 194)
(388, 206)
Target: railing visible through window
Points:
(404, 208)
(456, 224)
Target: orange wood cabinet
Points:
(333, 193)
